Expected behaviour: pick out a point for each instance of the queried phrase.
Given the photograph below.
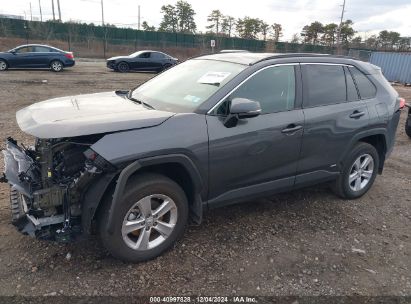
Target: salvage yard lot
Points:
(308, 242)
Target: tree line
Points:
(180, 18)
(328, 34)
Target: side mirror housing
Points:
(245, 108)
(241, 108)
(13, 52)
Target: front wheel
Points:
(123, 67)
(152, 215)
(56, 66)
(3, 65)
(359, 170)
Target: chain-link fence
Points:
(87, 40)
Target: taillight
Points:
(402, 102)
(69, 55)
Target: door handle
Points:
(357, 114)
(291, 128)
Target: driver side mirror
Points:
(13, 52)
(242, 108)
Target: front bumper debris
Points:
(20, 171)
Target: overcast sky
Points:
(369, 16)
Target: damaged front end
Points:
(48, 182)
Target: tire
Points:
(362, 179)
(17, 211)
(56, 66)
(140, 190)
(123, 67)
(3, 65)
(408, 127)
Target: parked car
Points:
(209, 132)
(36, 56)
(142, 61)
(408, 121)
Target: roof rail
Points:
(291, 55)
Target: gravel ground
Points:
(307, 242)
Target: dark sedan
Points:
(142, 61)
(36, 56)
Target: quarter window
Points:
(364, 85)
(352, 93)
(325, 84)
(273, 88)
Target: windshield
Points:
(184, 87)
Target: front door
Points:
(22, 58)
(260, 154)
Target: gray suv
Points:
(135, 166)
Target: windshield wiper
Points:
(139, 101)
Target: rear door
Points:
(157, 60)
(333, 114)
(41, 56)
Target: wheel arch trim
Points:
(364, 134)
(135, 166)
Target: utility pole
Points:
(31, 13)
(339, 30)
(102, 13)
(41, 14)
(52, 7)
(58, 7)
(138, 27)
(105, 30)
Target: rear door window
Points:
(157, 56)
(365, 87)
(41, 49)
(324, 84)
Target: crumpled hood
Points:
(85, 115)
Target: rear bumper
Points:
(69, 63)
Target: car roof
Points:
(42, 45)
(254, 58)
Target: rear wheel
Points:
(123, 67)
(3, 65)
(359, 170)
(56, 66)
(152, 215)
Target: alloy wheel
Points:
(3, 65)
(56, 66)
(149, 222)
(361, 172)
